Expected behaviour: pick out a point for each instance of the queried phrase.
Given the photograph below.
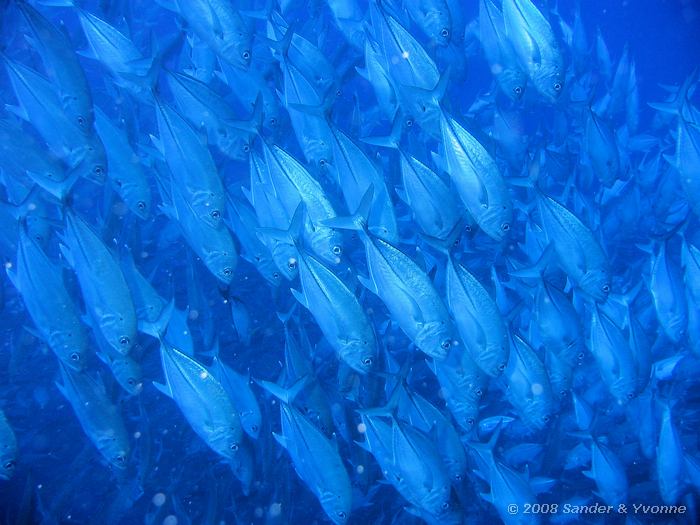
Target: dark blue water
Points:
(436, 300)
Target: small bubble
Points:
(362, 428)
(170, 520)
(360, 469)
(536, 389)
(275, 510)
(203, 374)
(8, 265)
(137, 434)
(193, 315)
(31, 206)
(159, 499)
(405, 55)
(258, 512)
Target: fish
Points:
(102, 284)
(614, 357)
(478, 320)
(499, 51)
(191, 166)
(62, 66)
(477, 179)
(403, 287)
(578, 252)
(536, 47)
(338, 313)
(315, 457)
(8, 449)
(126, 168)
(203, 401)
(56, 317)
(98, 416)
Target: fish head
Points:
(596, 283)
(8, 458)
(360, 354)
(327, 244)
(336, 507)
(90, 161)
(226, 441)
(251, 422)
(550, 83)
(438, 25)
(114, 449)
(136, 194)
(222, 263)
(436, 338)
(513, 82)
(285, 257)
(127, 372)
(237, 51)
(496, 220)
(72, 350)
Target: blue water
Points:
(588, 269)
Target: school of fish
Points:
(267, 263)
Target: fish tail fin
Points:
(538, 269)
(286, 395)
(293, 234)
(357, 221)
(159, 327)
(285, 316)
(393, 139)
(677, 105)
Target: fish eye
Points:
(445, 505)
(234, 446)
(409, 122)
(292, 264)
(246, 147)
(276, 275)
(606, 288)
(562, 392)
(273, 121)
(518, 90)
(630, 395)
(470, 421)
(227, 271)
(445, 32)
(246, 55)
(545, 419)
(337, 250)
(367, 361)
(322, 162)
(75, 356)
(338, 93)
(215, 214)
(446, 344)
(121, 459)
(479, 392)
(130, 381)
(502, 367)
(81, 120)
(254, 428)
(505, 226)
(557, 86)
(341, 514)
(9, 465)
(98, 170)
(141, 205)
(580, 356)
(124, 340)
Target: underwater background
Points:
(385, 261)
